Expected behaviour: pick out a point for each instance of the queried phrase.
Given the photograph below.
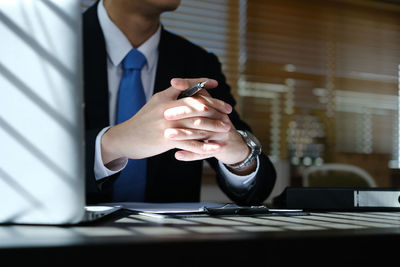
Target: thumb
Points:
(178, 85)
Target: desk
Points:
(336, 237)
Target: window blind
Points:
(335, 61)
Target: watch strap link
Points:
(255, 151)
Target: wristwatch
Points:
(255, 147)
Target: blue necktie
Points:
(131, 183)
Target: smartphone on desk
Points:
(233, 209)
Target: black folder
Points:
(339, 199)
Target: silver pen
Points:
(192, 90)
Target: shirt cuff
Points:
(240, 182)
(100, 170)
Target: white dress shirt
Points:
(118, 46)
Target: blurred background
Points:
(318, 81)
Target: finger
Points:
(190, 134)
(202, 123)
(186, 112)
(208, 102)
(198, 147)
(183, 84)
(178, 85)
(190, 156)
(193, 107)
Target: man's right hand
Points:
(148, 132)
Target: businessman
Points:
(144, 144)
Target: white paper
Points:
(165, 208)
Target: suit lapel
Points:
(169, 63)
(95, 72)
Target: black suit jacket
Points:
(168, 180)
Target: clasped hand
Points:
(198, 126)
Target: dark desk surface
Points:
(340, 237)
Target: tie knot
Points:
(134, 60)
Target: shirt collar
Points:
(118, 46)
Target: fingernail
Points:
(228, 108)
(179, 156)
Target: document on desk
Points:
(198, 208)
(167, 208)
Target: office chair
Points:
(336, 175)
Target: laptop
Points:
(42, 165)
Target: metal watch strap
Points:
(253, 153)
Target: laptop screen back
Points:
(41, 118)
